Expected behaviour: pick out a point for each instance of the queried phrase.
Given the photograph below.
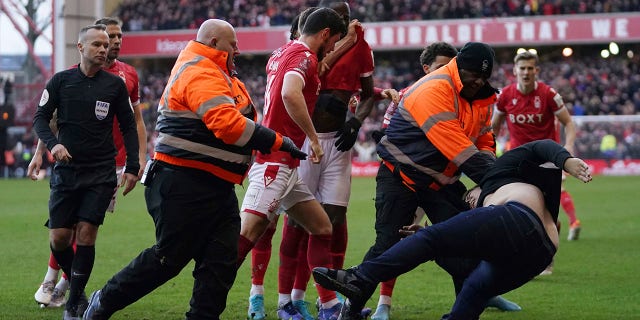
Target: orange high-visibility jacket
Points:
(205, 116)
(435, 130)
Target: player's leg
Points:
(566, 201)
(268, 184)
(260, 257)
(44, 294)
(309, 213)
(293, 246)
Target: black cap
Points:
(476, 57)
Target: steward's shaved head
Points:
(212, 28)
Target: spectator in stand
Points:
(178, 14)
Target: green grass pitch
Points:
(597, 277)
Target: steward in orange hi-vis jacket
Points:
(206, 117)
(207, 134)
(442, 128)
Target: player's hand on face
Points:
(128, 182)
(60, 153)
(34, 167)
(316, 152)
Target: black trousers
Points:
(196, 217)
(396, 206)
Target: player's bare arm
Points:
(496, 122)
(297, 108)
(569, 129)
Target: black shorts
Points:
(80, 194)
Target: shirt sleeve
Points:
(48, 104)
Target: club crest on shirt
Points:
(514, 101)
(536, 102)
(102, 109)
(122, 75)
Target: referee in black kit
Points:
(86, 99)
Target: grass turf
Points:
(594, 278)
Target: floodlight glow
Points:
(630, 54)
(521, 50)
(613, 48)
(567, 52)
(604, 53)
(534, 51)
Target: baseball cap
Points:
(476, 57)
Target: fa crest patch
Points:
(102, 110)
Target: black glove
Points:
(348, 135)
(289, 146)
(377, 135)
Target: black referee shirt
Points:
(86, 107)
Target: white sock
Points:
(51, 275)
(297, 294)
(283, 298)
(384, 300)
(256, 289)
(63, 284)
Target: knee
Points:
(323, 228)
(59, 239)
(253, 226)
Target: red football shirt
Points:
(354, 64)
(130, 78)
(299, 60)
(530, 116)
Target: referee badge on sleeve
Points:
(102, 109)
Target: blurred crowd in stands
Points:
(140, 15)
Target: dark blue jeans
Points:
(509, 240)
(396, 207)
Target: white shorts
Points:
(273, 188)
(330, 180)
(112, 204)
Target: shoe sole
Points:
(350, 291)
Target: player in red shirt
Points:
(530, 109)
(54, 295)
(330, 181)
(274, 185)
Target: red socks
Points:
(244, 246)
(386, 288)
(291, 238)
(319, 246)
(260, 257)
(567, 205)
